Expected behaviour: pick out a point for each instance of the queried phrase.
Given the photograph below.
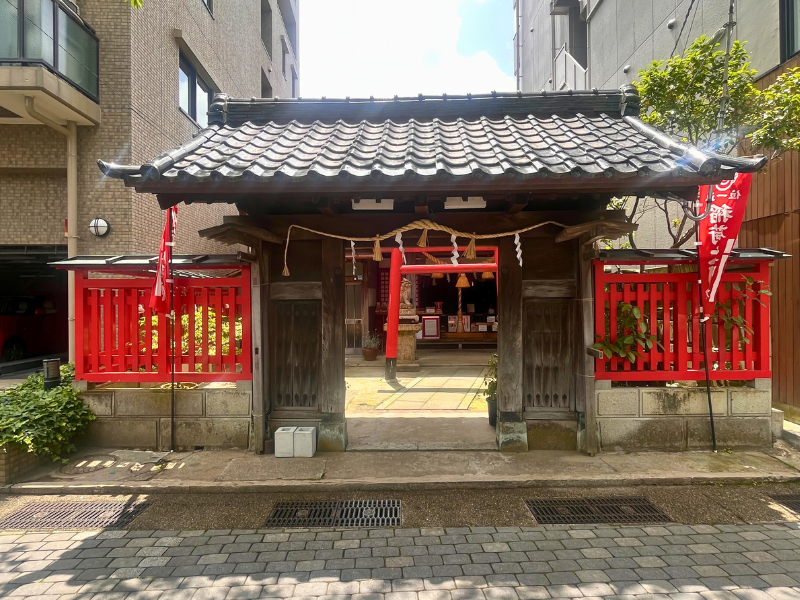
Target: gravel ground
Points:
(684, 504)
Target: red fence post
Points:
(393, 316)
(680, 321)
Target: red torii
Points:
(397, 268)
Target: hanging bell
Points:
(487, 275)
(462, 282)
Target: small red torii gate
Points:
(397, 268)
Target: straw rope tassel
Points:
(285, 272)
(470, 253)
(423, 239)
(377, 255)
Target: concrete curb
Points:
(385, 485)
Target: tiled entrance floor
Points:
(439, 407)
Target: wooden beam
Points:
(332, 387)
(600, 228)
(295, 290)
(421, 205)
(517, 203)
(232, 231)
(509, 336)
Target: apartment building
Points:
(584, 44)
(91, 79)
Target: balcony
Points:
(568, 74)
(49, 34)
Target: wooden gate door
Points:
(295, 353)
(549, 375)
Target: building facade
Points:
(584, 44)
(93, 79)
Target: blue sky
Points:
(405, 47)
(488, 26)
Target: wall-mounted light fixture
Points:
(99, 227)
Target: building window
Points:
(790, 27)
(266, 26)
(209, 5)
(266, 88)
(194, 94)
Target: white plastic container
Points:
(305, 441)
(284, 442)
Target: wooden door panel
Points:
(295, 353)
(548, 369)
(281, 354)
(307, 338)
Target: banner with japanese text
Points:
(718, 232)
(162, 286)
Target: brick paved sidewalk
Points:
(700, 562)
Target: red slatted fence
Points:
(119, 338)
(669, 301)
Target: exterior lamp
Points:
(99, 227)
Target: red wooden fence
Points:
(118, 337)
(669, 302)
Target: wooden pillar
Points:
(586, 399)
(259, 303)
(511, 432)
(333, 427)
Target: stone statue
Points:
(405, 293)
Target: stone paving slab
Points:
(672, 562)
(240, 472)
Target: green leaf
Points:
(636, 312)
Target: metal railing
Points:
(568, 74)
(49, 33)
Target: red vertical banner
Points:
(719, 230)
(159, 298)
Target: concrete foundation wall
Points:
(140, 418)
(665, 418)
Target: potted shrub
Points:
(490, 379)
(370, 346)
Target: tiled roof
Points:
(557, 135)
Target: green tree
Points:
(777, 116)
(682, 96)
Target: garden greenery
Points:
(490, 379)
(43, 422)
(632, 328)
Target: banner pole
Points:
(703, 320)
(172, 335)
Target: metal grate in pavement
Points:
(370, 513)
(73, 515)
(343, 513)
(580, 511)
(791, 501)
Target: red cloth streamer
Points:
(162, 286)
(718, 232)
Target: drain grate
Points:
(73, 515)
(344, 513)
(791, 501)
(579, 511)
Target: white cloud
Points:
(380, 48)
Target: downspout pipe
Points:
(71, 133)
